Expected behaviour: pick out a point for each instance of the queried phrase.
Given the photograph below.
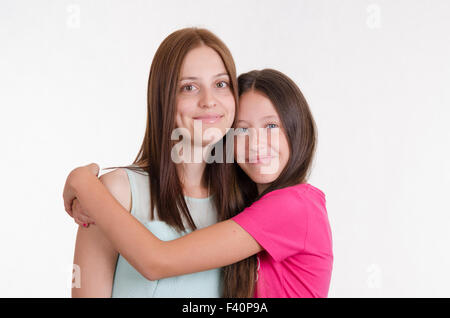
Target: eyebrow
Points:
(263, 118)
(195, 78)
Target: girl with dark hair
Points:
(285, 223)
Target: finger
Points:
(75, 205)
(68, 207)
(81, 223)
(80, 213)
(82, 217)
(68, 196)
(77, 221)
(94, 168)
(86, 220)
(70, 213)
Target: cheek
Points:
(229, 104)
(283, 151)
(281, 148)
(240, 149)
(183, 109)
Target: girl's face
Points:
(204, 95)
(260, 139)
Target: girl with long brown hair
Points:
(192, 79)
(285, 222)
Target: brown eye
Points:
(188, 88)
(222, 84)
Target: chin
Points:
(264, 179)
(214, 139)
(259, 177)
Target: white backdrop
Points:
(73, 79)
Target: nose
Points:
(253, 142)
(207, 99)
(258, 143)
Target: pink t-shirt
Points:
(291, 224)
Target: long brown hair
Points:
(166, 191)
(154, 156)
(300, 129)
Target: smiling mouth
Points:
(209, 119)
(261, 160)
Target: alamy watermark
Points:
(246, 145)
(373, 20)
(75, 281)
(73, 18)
(374, 278)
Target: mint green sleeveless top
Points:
(130, 283)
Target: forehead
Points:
(200, 61)
(255, 105)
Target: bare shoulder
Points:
(116, 181)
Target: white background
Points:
(73, 80)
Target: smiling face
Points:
(204, 94)
(259, 128)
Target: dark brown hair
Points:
(300, 129)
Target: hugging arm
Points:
(216, 246)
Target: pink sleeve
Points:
(278, 222)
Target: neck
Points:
(191, 174)
(261, 187)
(191, 178)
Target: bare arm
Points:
(216, 246)
(94, 253)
